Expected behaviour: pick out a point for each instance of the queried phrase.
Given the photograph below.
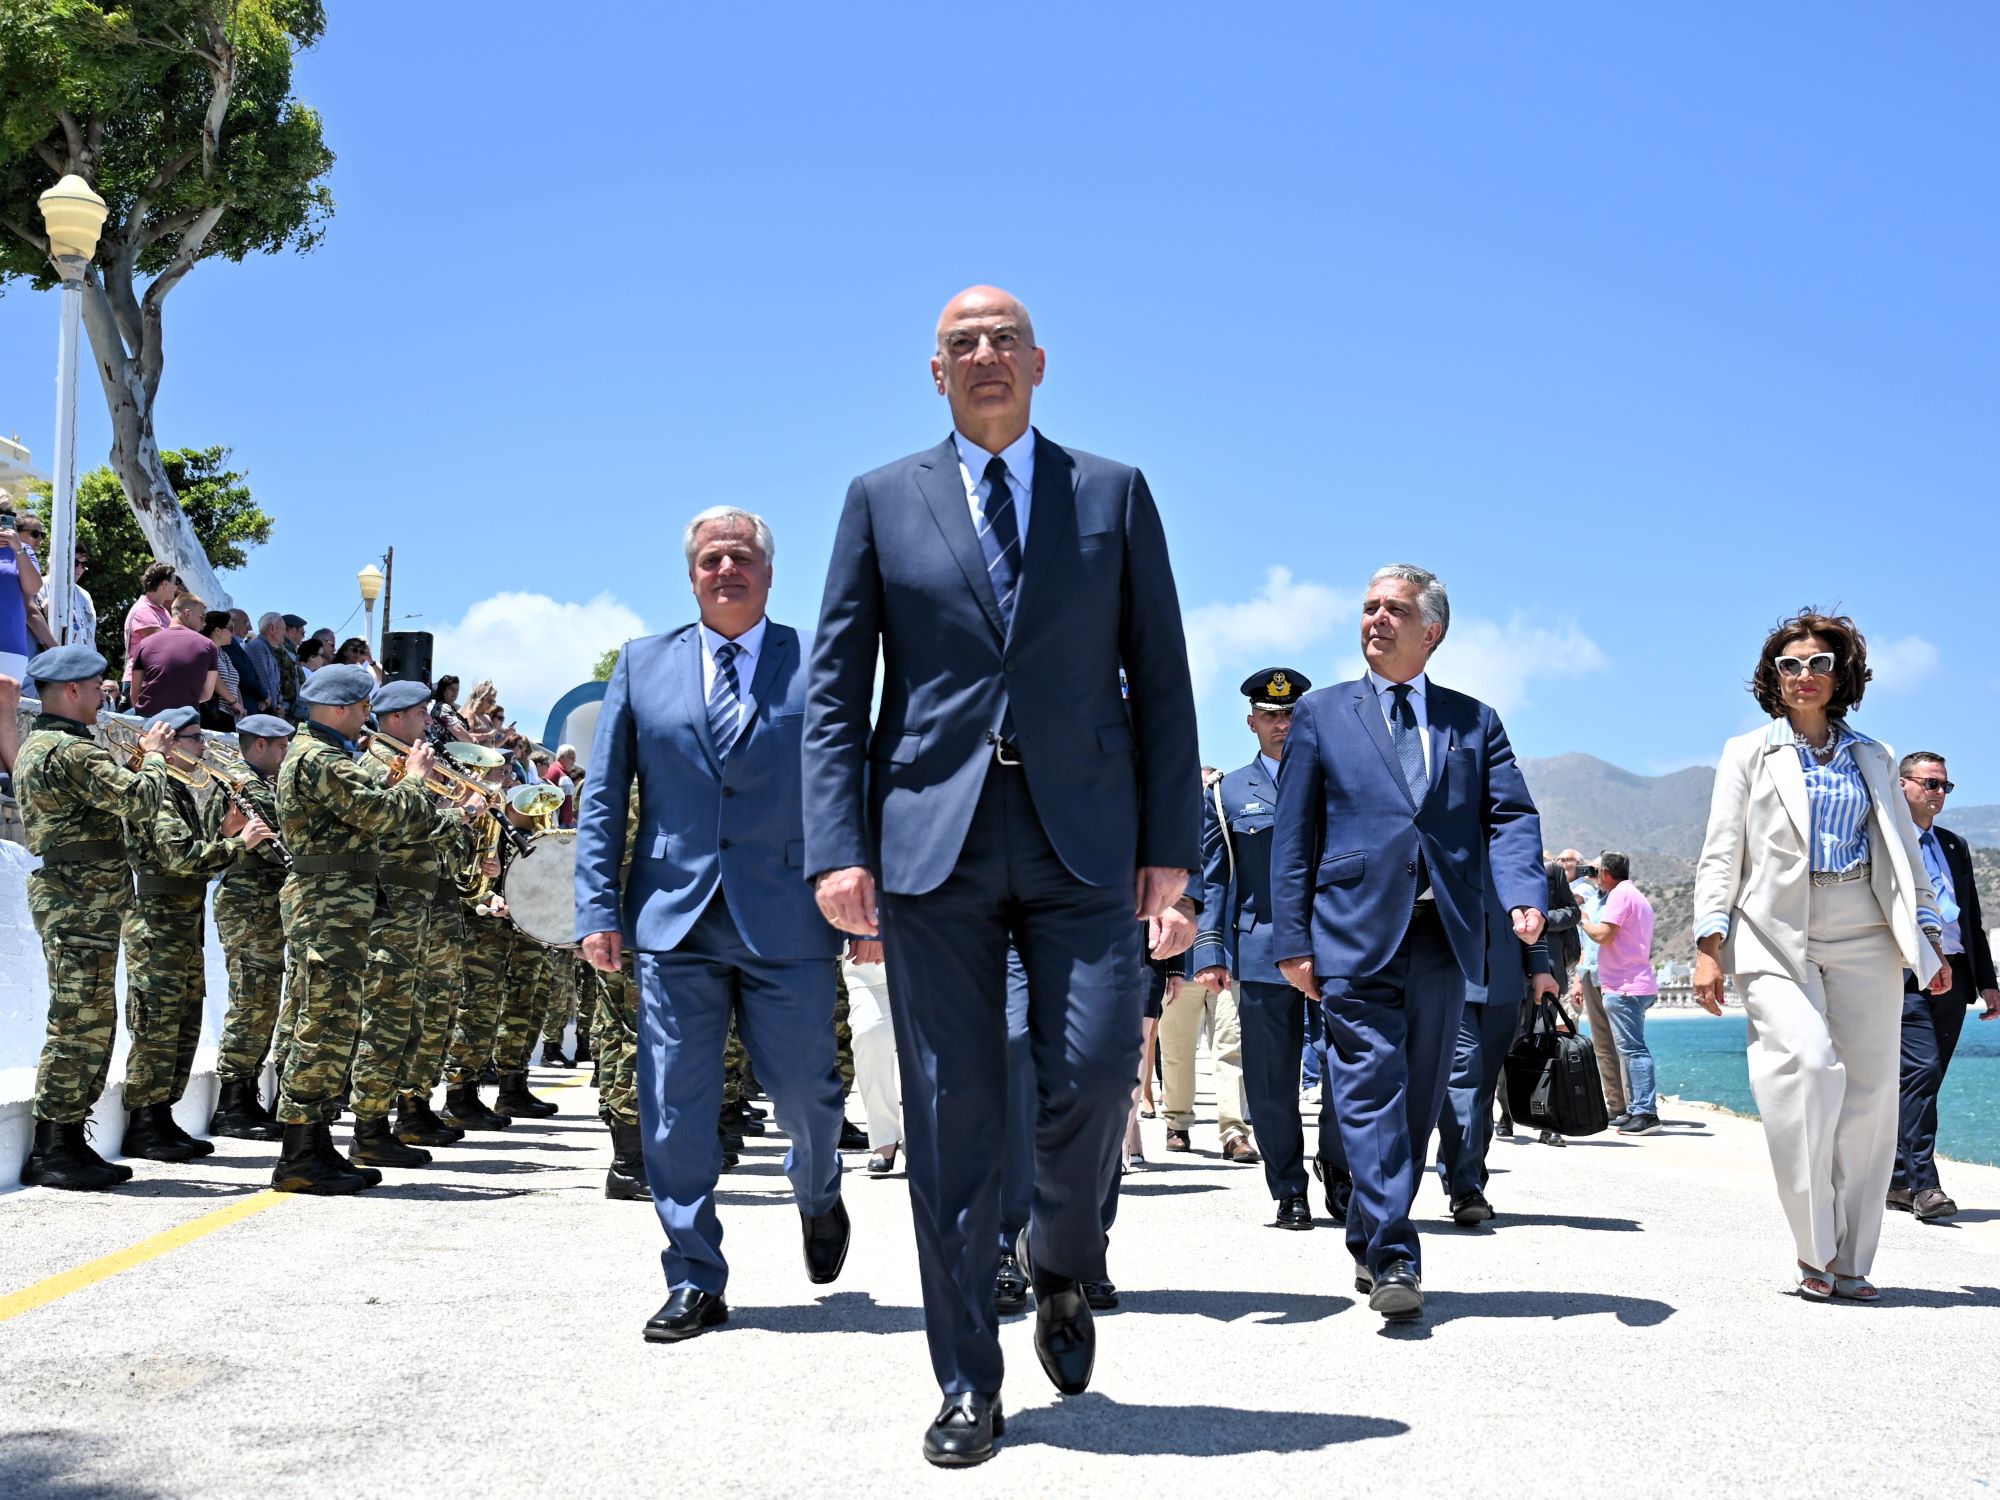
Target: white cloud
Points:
(533, 647)
(1275, 626)
(1495, 662)
(1902, 664)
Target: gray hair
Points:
(264, 621)
(765, 542)
(1431, 598)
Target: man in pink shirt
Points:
(175, 667)
(1623, 932)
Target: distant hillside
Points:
(1590, 805)
(1976, 825)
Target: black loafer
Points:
(826, 1236)
(1293, 1213)
(684, 1315)
(963, 1431)
(1065, 1338)
(1010, 1286)
(1398, 1296)
(1471, 1208)
(1364, 1279)
(1101, 1295)
(1339, 1189)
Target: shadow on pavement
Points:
(167, 1187)
(1507, 1220)
(501, 1167)
(838, 1312)
(1914, 1296)
(518, 1144)
(442, 1192)
(1276, 1308)
(1446, 1307)
(1167, 1189)
(1094, 1423)
(43, 1466)
(1968, 1216)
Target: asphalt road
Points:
(473, 1330)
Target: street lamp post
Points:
(370, 579)
(75, 217)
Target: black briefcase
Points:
(1552, 1079)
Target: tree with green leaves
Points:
(180, 114)
(225, 519)
(606, 665)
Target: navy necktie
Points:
(1409, 742)
(1000, 538)
(725, 700)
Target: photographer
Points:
(20, 581)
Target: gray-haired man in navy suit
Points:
(1002, 793)
(702, 725)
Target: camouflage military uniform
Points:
(165, 977)
(443, 980)
(389, 1030)
(615, 1041)
(530, 976)
(489, 947)
(253, 938)
(291, 677)
(333, 814)
(565, 992)
(72, 794)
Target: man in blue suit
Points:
(1234, 948)
(703, 725)
(1396, 793)
(1002, 793)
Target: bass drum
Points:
(540, 887)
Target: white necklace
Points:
(1821, 753)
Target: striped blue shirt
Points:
(1838, 799)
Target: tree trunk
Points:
(135, 455)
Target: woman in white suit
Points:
(1812, 893)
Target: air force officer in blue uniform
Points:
(1002, 792)
(1396, 792)
(706, 719)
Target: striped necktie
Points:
(1000, 537)
(1409, 743)
(725, 700)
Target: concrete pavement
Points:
(472, 1329)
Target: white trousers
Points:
(874, 1038)
(1180, 1032)
(1825, 1060)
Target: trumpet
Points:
(121, 737)
(439, 781)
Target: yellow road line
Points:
(49, 1288)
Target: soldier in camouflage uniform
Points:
(165, 977)
(72, 793)
(333, 815)
(442, 988)
(530, 976)
(489, 945)
(253, 937)
(389, 1031)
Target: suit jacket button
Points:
(724, 844)
(1009, 664)
(729, 791)
(1410, 868)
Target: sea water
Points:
(1700, 1056)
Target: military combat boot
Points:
(627, 1177)
(582, 1044)
(240, 1114)
(150, 1132)
(417, 1125)
(552, 1056)
(463, 1109)
(375, 1145)
(303, 1168)
(326, 1151)
(514, 1100)
(62, 1158)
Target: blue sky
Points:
(1641, 326)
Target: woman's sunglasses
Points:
(1819, 664)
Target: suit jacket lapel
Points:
(779, 643)
(1790, 780)
(689, 647)
(1051, 519)
(1369, 711)
(944, 492)
(1261, 782)
(1439, 739)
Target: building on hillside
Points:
(16, 469)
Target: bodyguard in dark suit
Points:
(706, 719)
(1233, 948)
(1932, 1023)
(1396, 793)
(1002, 793)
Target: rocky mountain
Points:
(1590, 805)
(1976, 825)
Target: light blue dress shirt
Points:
(1019, 457)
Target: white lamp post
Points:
(370, 579)
(75, 217)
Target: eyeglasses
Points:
(1819, 664)
(1933, 784)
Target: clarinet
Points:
(243, 805)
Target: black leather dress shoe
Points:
(1398, 1295)
(852, 1136)
(1294, 1213)
(1364, 1279)
(826, 1236)
(1065, 1338)
(963, 1431)
(1470, 1208)
(1339, 1189)
(1101, 1295)
(1010, 1286)
(685, 1314)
